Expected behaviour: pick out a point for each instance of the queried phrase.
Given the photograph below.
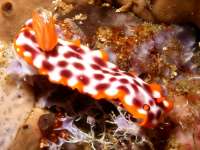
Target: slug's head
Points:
(156, 107)
(44, 28)
(149, 106)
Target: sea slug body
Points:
(90, 72)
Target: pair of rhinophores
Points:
(89, 71)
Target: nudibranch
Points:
(89, 71)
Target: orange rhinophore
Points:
(44, 27)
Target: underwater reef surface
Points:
(157, 53)
(177, 11)
(16, 99)
(166, 54)
(14, 13)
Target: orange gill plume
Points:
(44, 27)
